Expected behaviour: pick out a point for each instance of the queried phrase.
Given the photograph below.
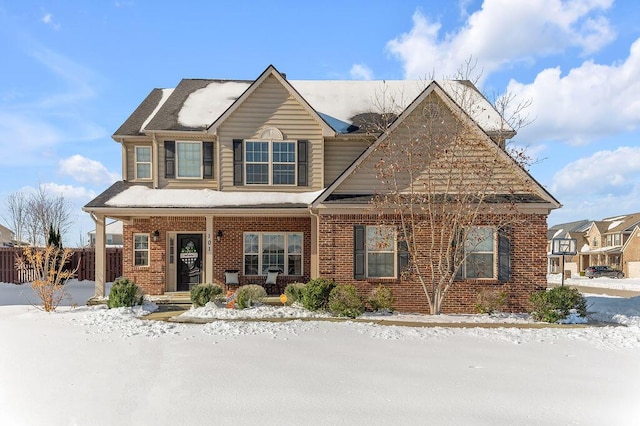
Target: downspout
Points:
(315, 266)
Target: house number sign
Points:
(209, 242)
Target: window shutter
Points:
(403, 257)
(504, 254)
(169, 159)
(207, 160)
(359, 252)
(303, 169)
(458, 252)
(238, 166)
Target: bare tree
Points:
(48, 210)
(17, 215)
(447, 188)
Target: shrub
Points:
(202, 294)
(248, 295)
(124, 293)
(294, 292)
(316, 294)
(345, 301)
(555, 304)
(490, 301)
(381, 299)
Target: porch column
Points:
(101, 255)
(208, 252)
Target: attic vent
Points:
(431, 110)
(271, 133)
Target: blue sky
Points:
(73, 72)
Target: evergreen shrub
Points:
(555, 305)
(124, 293)
(202, 294)
(294, 292)
(316, 294)
(381, 299)
(249, 295)
(345, 301)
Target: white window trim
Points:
(177, 160)
(135, 153)
(286, 252)
(394, 251)
(270, 161)
(136, 250)
(494, 253)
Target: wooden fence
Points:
(85, 259)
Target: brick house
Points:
(223, 175)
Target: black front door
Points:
(189, 260)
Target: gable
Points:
(452, 148)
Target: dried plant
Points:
(50, 273)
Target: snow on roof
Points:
(204, 106)
(340, 100)
(614, 224)
(165, 95)
(558, 232)
(141, 196)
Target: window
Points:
(381, 253)
(140, 249)
(143, 162)
(480, 252)
(270, 162)
(189, 159)
(269, 250)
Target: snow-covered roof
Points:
(197, 103)
(144, 197)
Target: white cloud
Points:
(590, 101)
(361, 72)
(69, 192)
(605, 173)
(47, 19)
(501, 32)
(86, 170)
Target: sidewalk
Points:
(600, 290)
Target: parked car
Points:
(602, 271)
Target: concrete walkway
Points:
(600, 290)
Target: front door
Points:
(189, 261)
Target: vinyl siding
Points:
(184, 183)
(271, 105)
(339, 154)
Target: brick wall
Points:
(227, 254)
(528, 265)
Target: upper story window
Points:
(613, 240)
(188, 160)
(143, 162)
(270, 160)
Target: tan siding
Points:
(130, 148)
(339, 154)
(271, 105)
(477, 149)
(184, 183)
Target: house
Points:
(113, 235)
(240, 175)
(7, 237)
(611, 242)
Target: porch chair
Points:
(231, 278)
(271, 282)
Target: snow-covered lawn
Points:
(93, 366)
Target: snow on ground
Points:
(94, 366)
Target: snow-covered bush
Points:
(316, 294)
(248, 295)
(202, 294)
(125, 293)
(381, 299)
(344, 301)
(556, 304)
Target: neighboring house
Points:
(7, 237)
(609, 242)
(575, 230)
(273, 173)
(112, 237)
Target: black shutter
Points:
(504, 254)
(403, 257)
(457, 255)
(303, 161)
(359, 252)
(169, 159)
(207, 160)
(238, 169)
